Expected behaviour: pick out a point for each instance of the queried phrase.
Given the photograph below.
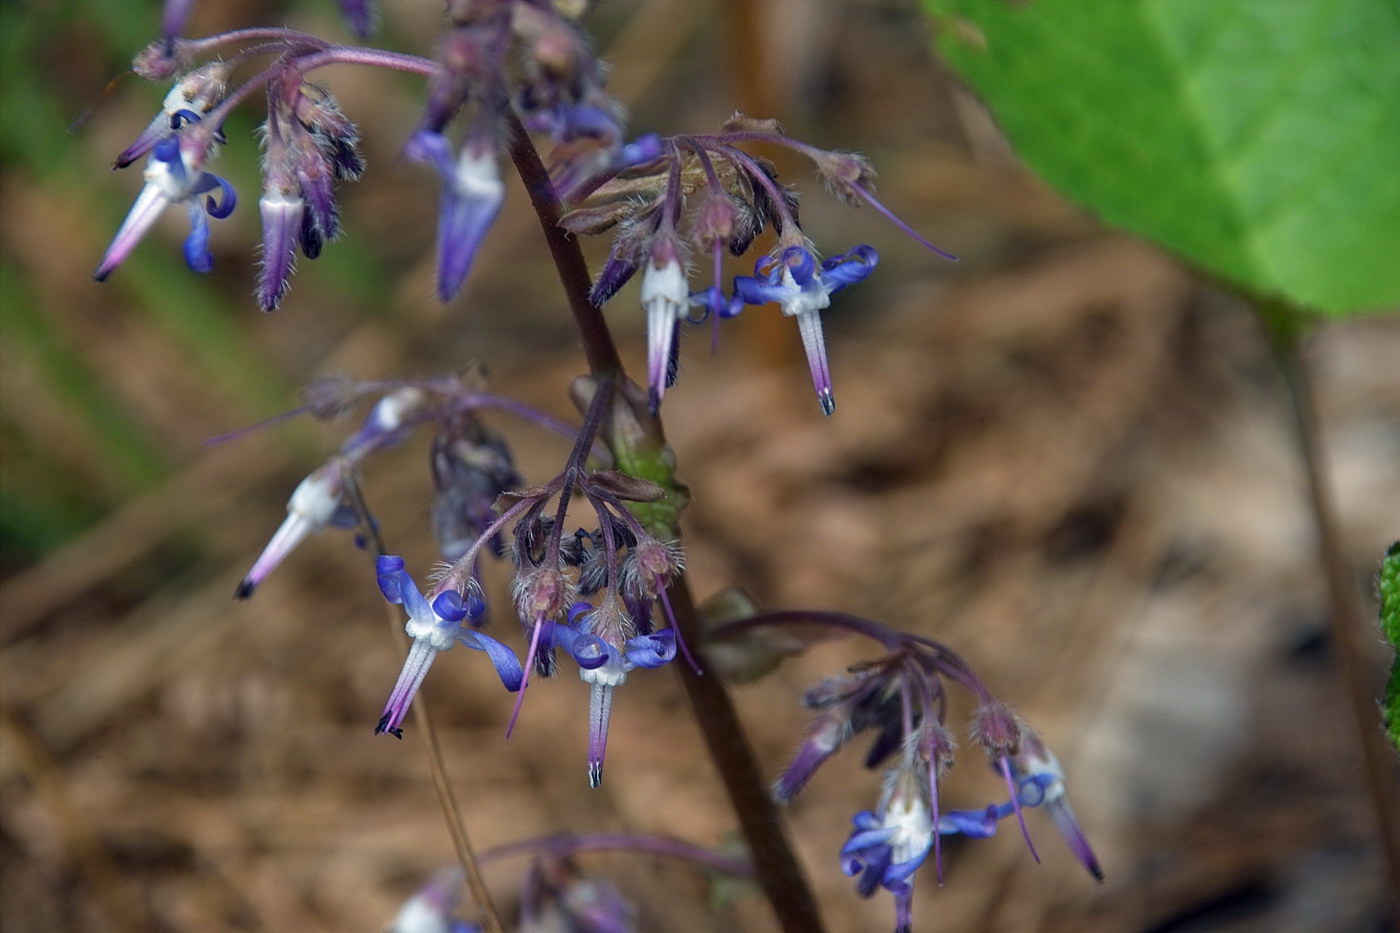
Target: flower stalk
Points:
(778, 872)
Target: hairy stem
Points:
(777, 869)
(1344, 615)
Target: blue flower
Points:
(472, 195)
(174, 175)
(793, 280)
(885, 849)
(434, 627)
(602, 644)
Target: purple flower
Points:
(602, 643)
(886, 848)
(313, 507)
(174, 175)
(433, 627)
(472, 194)
(317, 502)
(1040, 782)
(359, 16)
(194, 93)
(793, 280)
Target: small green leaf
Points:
(1257, 138)
(1390, 625)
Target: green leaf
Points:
(1390, 625)
(1260, 139)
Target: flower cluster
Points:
(501, 61)
(503, 64)
(902, 699)
(703, 195)
(593, 593)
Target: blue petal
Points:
(896, 873)
(640, 151)
(221, 208)
(867, 839)
(588, 651)
(180, 117)
(427, 146)
(853, 267)
(975, 824)
(800, 263)
(1032, 789)
(755, 291)
(388, 567)
(502, 658)
(866, 819)
(197, 254)
(652, 650)
(168, 151)
(449, 606)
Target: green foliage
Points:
(1390, 625)
(1257, 138)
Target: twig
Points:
(1344, 613)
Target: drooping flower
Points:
(887, 847)
(1040, 782)
(319, 501)
(434, 627)
(666, 300)
(174, 175)
(195, 92)
(312, 508)
(604, 644)
(472, 195)
(794, 281)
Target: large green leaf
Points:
(1258, 138)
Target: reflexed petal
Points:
(502, 658)
(652, 650)
(197, 255)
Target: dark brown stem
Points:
(1349, 634)
(779, 873)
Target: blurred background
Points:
(1065, 456)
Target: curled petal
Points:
(588, 651)
(853, 267)
(652, 650)
(502, 658)
(389, 569)
(221, 208)
(800, 263)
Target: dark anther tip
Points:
(245, 589)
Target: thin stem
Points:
(451, 810)
(1345, 611)
(777, 869)
(289, 38)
